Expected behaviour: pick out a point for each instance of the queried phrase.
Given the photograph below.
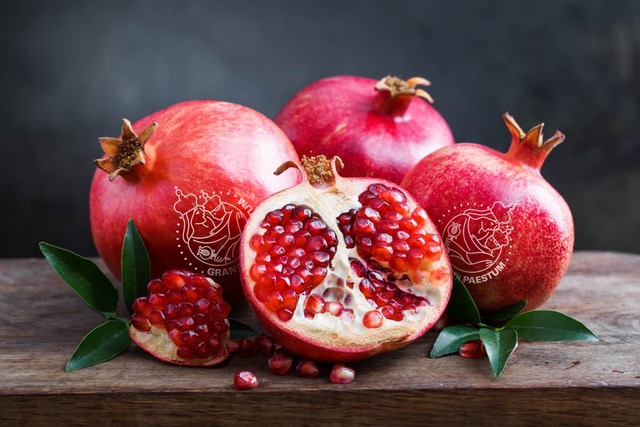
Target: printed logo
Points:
(476, 239)
(209, 231)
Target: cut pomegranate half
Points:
(339, 269)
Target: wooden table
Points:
(585, 383)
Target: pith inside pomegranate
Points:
(189, 176)
(378, 128)
(339, 269)
(183, 320)
(509, 234)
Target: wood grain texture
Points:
(586, 383)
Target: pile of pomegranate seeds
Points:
(190, 308)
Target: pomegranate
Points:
(183, 320)
(508, 232)
(378, 128)
(189, 176)
(339, 269)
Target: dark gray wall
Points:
(69, 71)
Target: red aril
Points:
(339, 269)
(183, 320)
(378, 128)
(341, 374)
(508, 232)
(244, 380)
(189, 176)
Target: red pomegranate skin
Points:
(376, 134)
(208, 164)
(509, 234)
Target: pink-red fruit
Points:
(183, 320)
(244, 380)
(509, 233)
(188, 176)
(339, 269)
(378, 128)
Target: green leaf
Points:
(101, 344)
(451, 338)
(499, 344)
(240, 330)
(507, 312)
(461, 306)
(135, 266)
(84, 277)
(549, 325)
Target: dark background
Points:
(69, 71)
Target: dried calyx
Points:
(125, 152)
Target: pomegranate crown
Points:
(125, 152)
(319, 171)
(530, 148)
(396, 87)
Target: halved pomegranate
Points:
(339, 269)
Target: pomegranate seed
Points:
(184, 353)
(307, 369)
(247, 347)
(202, 305)
(372, 319)
(156, 317)
(264, 344)
(244, 380)
(220, 311)
(280, 362)
(315, 304)
(274, 301)
(284, 314)
(186, 309)
(141, 306)
(334, 307)
(157, 301)
(473, 349)
(155, 286)
(202, 350)
(185, 323)
(341, 374)
(216, 346)
(176, 337)
(140, 322)
(175, 279)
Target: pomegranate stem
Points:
(395, 95)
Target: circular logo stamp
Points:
(209, 230)
(476, 239)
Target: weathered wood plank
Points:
(42, 321)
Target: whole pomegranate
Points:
(183, 320)
(379, 129)
(339, 269)
(508, 233)
(189, 176)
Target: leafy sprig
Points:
(501, 330)
(111, 338)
